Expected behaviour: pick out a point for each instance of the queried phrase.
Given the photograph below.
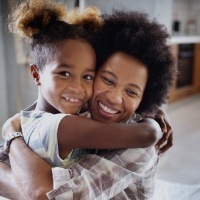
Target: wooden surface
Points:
(183, 92)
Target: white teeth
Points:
(73, 100)
(106, 109)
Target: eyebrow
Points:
(130, 84)
(109, 72)
(136, 86)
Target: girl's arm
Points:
(166, 141)
(80, 132)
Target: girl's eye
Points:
(65, 73)
(107, 81)
(88, 77)
(131, 92)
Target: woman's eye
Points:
(65, 73)
(88, 77)
(107, 81)
(131, 92)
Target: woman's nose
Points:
(114, 96)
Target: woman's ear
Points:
(35, 74)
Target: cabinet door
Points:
(178, 93)
(197, 68)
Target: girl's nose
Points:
(76, 86)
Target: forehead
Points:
(75, 46)
(76, 54)
(123, 58)
(125, 67)
(76, 51)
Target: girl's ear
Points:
(35, 74)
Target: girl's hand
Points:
(167, 140)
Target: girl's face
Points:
(66, 82)
(118, 88)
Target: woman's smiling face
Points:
(118, 88)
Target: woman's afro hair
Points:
(147, 40)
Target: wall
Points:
(3, 96)
(70, 3)
(17, 89)
(184, 11)
(162, 10)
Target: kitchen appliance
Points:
(185, 65)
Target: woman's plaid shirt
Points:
(123, 174)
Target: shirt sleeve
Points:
(3, 155)
(145, 164)
(106, 176)
(48, 136)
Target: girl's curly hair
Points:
(46, 23)
(133, 33)
(33, 17)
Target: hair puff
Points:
(90, 17)
(33, 16)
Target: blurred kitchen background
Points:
(182, 20)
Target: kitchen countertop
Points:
(184, 39)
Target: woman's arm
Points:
(8, 186)
(32, 173)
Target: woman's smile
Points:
(107, 111)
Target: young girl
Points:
(63, 70)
